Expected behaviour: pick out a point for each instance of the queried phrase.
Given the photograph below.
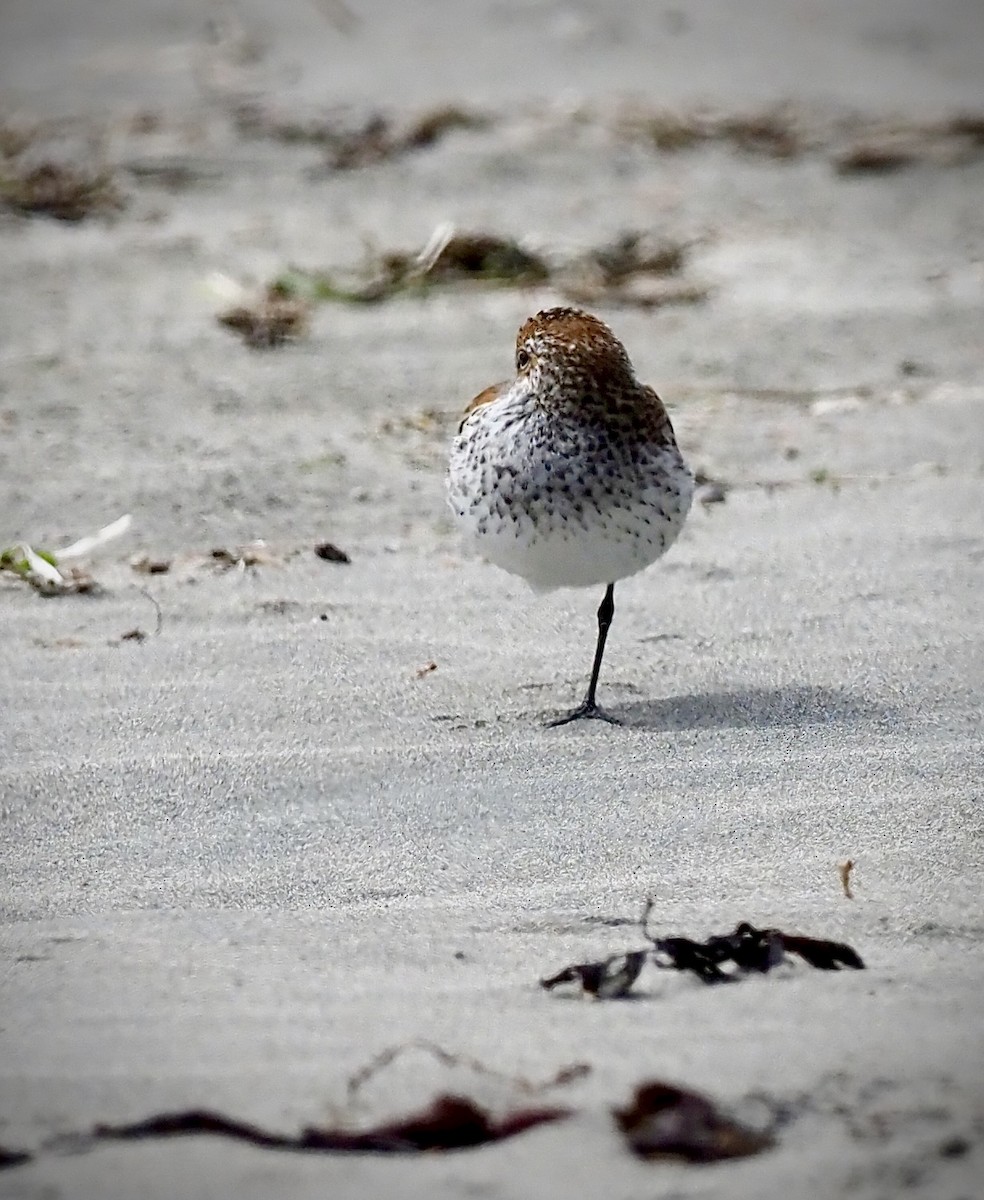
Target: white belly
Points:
(567, 519)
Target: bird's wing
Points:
(486, 397)
(662, 426)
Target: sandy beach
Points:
(266, 815)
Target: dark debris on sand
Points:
(633, 270)
(352, 139)
(273, 319)
(13, 1158)
(34, 181)
(660, 1121)
(63, 192)
(720, 958)
(329, 552)
(448, 1123)
(666, 1121)
(449, 258)
(610, 979)
(854, 144)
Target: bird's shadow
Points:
(754, 708)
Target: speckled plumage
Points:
(570, 475)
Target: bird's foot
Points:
(586, 710)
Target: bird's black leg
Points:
(588, 707)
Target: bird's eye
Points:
(522, 360)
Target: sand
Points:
(243, 855)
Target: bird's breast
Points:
(564, 503)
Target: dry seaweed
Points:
(611, 979)
(721, 958)
(329, 552)
(13, 1158)
(39, 569)
(855, 144)
(665, 1121)
(634, 269)
(192, 1121)
(746, 950)
(436, 123)
(361, 147)
(380, 139)
(773, 132)
(667, 131)
(449, 1123)
(874, 158)
(969, 125)
(449, 258)
(660, 1121)
(143, 564)
(63, 192)
(820, 953)
(883, 146)
(271, 320)
(633, 253)
(256, 554)
(353, 139)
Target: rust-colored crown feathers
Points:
(581, 342)
(568, 359)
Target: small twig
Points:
(157, 608)
(844, 870)
(644, 920)
(382, 1060)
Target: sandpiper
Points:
(569, 475)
